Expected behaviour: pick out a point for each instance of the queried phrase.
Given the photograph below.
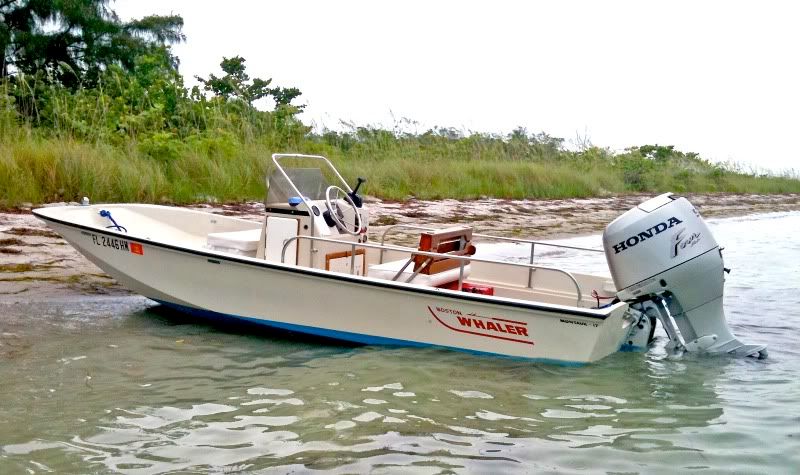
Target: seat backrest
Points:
(455, 241)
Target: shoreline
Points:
(35, 262)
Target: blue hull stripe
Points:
(348, 336)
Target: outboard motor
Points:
(666, 264)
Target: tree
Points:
(236, 85)
(657, 152)
(73, 41)
(283, 96)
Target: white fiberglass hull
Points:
(346, 307)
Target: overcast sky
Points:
(721, 78)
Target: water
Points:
(106, 384)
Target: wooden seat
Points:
(455, 241)
(450, 241)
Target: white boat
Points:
(310, 266)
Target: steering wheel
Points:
(333, 198)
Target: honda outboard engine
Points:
(666, 264)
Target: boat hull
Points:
(346, 307)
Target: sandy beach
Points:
(36, 261)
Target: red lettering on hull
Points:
(490, 327)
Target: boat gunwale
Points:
(597, 314)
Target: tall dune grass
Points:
(162, 144)
(36, 169)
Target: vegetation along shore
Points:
(94, 106)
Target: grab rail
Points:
(412, 250)
(489, 236)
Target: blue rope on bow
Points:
(107, 214)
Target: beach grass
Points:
(124, 142)
(38, 169)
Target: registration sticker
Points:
(118, 244)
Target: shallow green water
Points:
(114, 385)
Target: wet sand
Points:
(35, 261)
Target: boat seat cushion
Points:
(388, 270)
(244, 241)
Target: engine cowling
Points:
(664, 260)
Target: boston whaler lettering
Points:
(311, 266)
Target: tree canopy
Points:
(236, 84)
(73, 41)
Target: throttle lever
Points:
(353, 194)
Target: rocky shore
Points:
(36, 263)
